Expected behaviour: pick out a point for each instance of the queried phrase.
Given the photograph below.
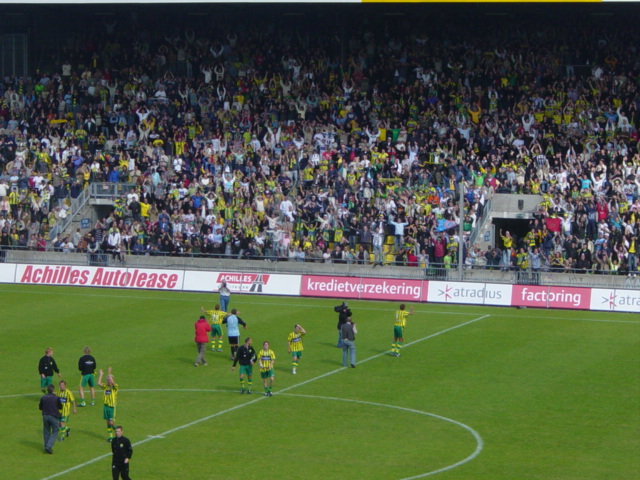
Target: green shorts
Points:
(297, 354)
(216, 331)
(45, 382)
(267, 374)
(398, 332)
(246, 370)
(89, 380)
(64, 419)
(109, 413)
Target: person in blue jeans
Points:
(50, 405)
(348, 334)
(225, 296)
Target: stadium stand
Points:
(252, 144)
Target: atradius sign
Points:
(99, 277)
(469, 293)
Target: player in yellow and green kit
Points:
(296, 347)
(110, 389)
(398, 329)
(68, 400)
(266, 360)
(215, 318)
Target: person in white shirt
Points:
(208, 73)
(285, 206)
(114, 241)
(67, 246)
(161, 94)
(378, 230)
(399, 232)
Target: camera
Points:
(339, 308)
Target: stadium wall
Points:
(324, 286)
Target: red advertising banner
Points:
(362, 288)
(551, 297)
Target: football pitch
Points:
(478, 393)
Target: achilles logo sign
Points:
(244, 282)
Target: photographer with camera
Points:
(343, 312)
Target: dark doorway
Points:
(518, 227)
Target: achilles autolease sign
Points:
(99, 277)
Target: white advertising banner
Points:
(615, 300)
(469, 293)
(154, 279)
(255, 283)
(7, 272)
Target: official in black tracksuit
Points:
(122, 452)
(246, 356)
(46, 367)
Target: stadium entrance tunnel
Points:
(518, 227)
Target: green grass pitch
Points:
(478, 393)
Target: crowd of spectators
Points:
(263, 144)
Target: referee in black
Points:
(122, 452)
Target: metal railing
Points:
(486, 213)
(74, 209)
(107, 190)
(95, 190)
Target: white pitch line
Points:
(385, 353)
(476, 435)
(209, 417)
(155, 437)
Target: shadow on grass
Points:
(33, 445)
(89, 434)
(337, 362)
(379, 352)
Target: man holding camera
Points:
(343, 313)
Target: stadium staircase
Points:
(503, 205)
(83, 209)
